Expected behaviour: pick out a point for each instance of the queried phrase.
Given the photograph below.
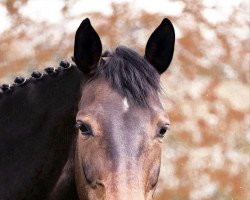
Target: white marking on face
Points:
(125, 104)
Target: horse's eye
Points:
(163, 130)
(84, 128)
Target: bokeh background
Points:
(206, 154)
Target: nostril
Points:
(93, 185)
(96, 185)
(100, 184)
(88, 180)
(91, 180)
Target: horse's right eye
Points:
(84, 128)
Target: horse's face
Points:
(119, 156)
(119, 136)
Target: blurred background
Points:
(206, 155)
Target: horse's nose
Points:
(125, 195)
(122, 189)
(115, 191)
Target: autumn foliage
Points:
(206, 154)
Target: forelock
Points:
(130, 75)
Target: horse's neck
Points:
(36, 129)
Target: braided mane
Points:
(35, 76)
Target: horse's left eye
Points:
(162, 131)
(84, 128)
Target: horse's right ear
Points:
(88, 48)
(160, 46)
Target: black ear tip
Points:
(166, 22)
(86, 21)
(84, 24)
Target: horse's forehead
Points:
(100, 97)
(100, 94)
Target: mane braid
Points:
(35, 76)
(131, 75)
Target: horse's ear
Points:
(88, 47)
(160, 46)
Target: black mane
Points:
(129, 74)
(36, 76)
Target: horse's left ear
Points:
(160, 46)
(88, 47)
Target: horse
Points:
(90, 130)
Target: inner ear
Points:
(88, 47)
(160, 46)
